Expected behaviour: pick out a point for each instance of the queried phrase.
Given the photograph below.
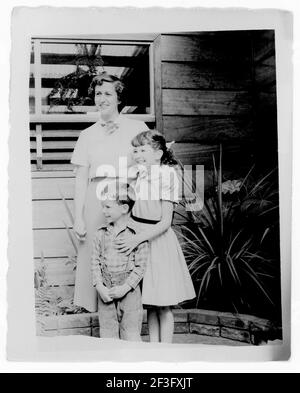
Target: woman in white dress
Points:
(104, 143)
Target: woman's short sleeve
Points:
(80, 153)
(170, 185)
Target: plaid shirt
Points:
(110, 267)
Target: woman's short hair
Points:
(104, 77)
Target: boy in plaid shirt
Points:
(116, 275)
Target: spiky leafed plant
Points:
(226, 244)
(67, 306)
(72, 259)
(47, 301)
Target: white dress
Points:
(167, 280)
(93, 149)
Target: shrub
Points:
(232, 245)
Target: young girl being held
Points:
(167, 281)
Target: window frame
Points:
(39, 117)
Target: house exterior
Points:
(203, 89)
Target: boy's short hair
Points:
(122, 193)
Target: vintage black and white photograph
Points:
(199, 263)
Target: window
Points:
(61, 71)
(60, 102)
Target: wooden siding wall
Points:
(265, 98)
(210, 89)
(57, 141)
(49, 233)
(207, 94)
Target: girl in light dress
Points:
(167, 281)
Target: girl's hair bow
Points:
(169, 144)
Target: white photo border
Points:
(23, 344)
